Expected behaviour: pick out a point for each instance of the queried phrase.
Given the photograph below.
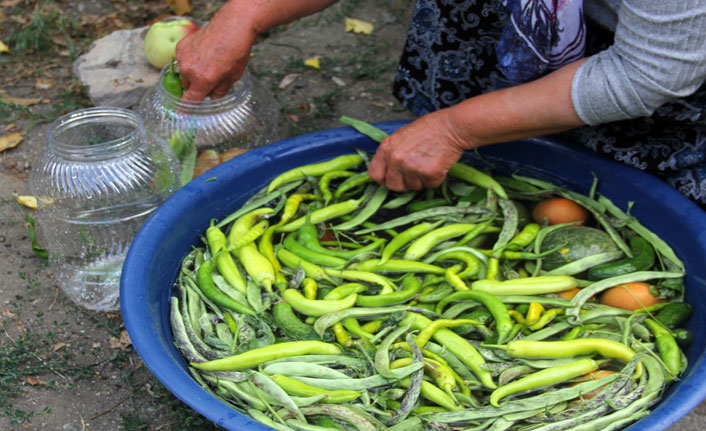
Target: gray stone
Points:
(115, 70)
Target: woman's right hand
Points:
(214, 57)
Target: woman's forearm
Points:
(536, 108)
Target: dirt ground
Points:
(66, 369)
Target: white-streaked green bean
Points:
(306, 369)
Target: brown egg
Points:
(629, 296)
(559, 210)
(593, 375)
(569, 294)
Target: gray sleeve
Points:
(659, 54)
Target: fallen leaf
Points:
(10, 141)
(358, 26)
(180, 7)
(28, 201)
(3, 47)
(338, 81)
(35, 382)
(288, 80)
(10, 3)
(314, 62)
(58, 346)
(21, 101)
(120, 343)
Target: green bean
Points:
(236, 390)
(538, 401)
(580, 265)
(347, 361)
(422, 215)
(370, 208)
(382, 356)
(268, 386)
(510, 220)
(364, 382)
(658, 243)
(261, 417)
(303, 426)
(306, 369)
(344, 413)
(367, 129)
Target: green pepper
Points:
(172, 82)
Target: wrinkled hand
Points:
(213, 58)
(418, 155)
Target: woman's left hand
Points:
(419, 154)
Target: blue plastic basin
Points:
(153, 262)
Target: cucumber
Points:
(674, 314)
(683, 337)
(290, 324)
(576, 242)
(642, 260)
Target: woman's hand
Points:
(213, 58)
(419, 154)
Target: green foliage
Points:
(36, 37)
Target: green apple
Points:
(162, 38)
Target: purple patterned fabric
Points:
(540, 36)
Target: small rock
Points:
(115, 70)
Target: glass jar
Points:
(98, 179)
(207, 133)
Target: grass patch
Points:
(37, 36)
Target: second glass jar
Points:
(207, 133)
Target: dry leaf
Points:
(28, 201)
(3, 47)
(35, 382)
(288, 80)
(358, 26)
(10, 3)
(10, 141)
(338, 81)
(58, 346)
(314, 62)
(180, 7)
(120, 343)
(21, 101)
